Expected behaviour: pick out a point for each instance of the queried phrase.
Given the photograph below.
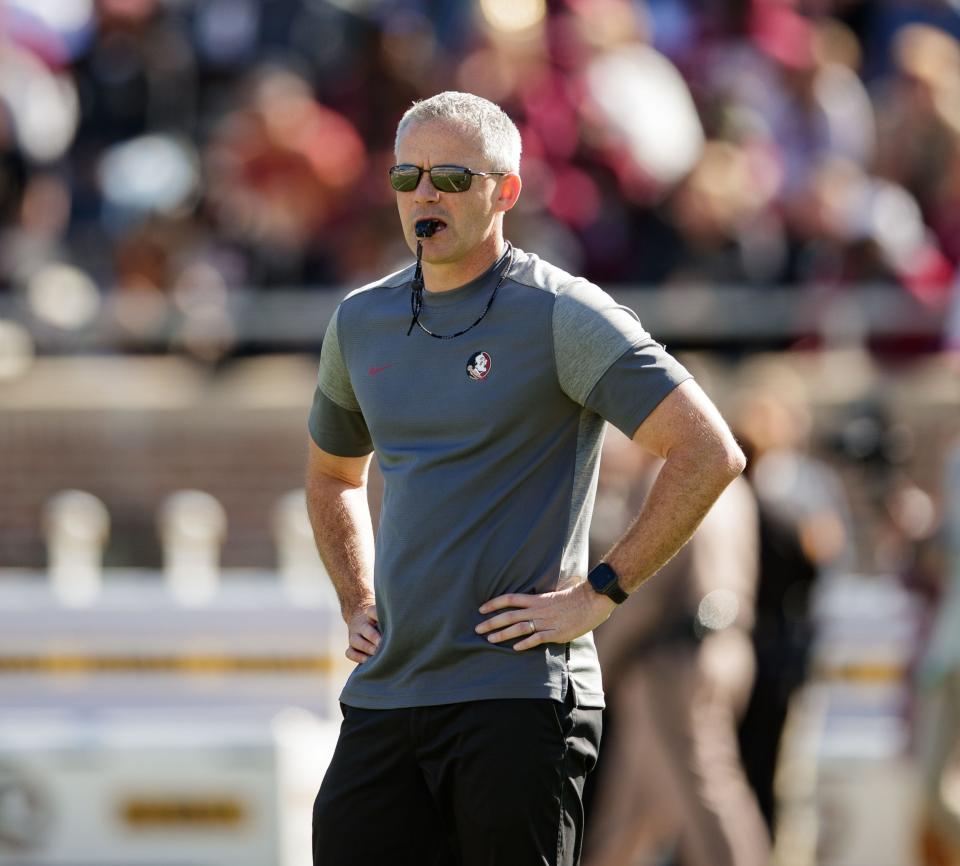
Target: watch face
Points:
(605, 581)
(601, 578)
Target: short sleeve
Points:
(336, 423)
(606, 360)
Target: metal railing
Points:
(294, 319)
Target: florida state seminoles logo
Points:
(478, 367)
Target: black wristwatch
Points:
(607, 582)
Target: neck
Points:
(446, 276)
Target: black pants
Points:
(484, 783)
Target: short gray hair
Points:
(497, 134)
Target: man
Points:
(473, 715)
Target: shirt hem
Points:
(394, 701)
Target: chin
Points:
(439, 253)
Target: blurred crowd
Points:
(159, 151)
(172, 153)
(751, 625)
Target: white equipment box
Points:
(135, 731)
(846, 783)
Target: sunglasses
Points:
(446, 178)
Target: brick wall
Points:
(132, 430)
(247, 448)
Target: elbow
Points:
(735, 460)
(725, 460)
(717, 461)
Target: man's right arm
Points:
(340, 517)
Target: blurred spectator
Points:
(281, 170)
(34, 234)
(805, 531)
(724, 231)
(877, 25)
(677, 668)
(952, 337)
(799, 87)
(860, 229)
(920, 135)
(880, 452)
(938, 731)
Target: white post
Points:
(77, 526)
(192, 527)
(304, 746)
(302, 574)
(305, 581)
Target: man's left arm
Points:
(701, 458)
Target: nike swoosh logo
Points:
(372, 371)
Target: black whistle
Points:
(426, 228)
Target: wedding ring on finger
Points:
(533, 626)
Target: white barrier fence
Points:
(182, 718)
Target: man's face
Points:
(469, 218)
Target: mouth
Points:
(427, 227)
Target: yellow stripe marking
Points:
(153, 813)
(187, 664)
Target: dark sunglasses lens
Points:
(404, 178)
(449, 178)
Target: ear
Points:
(510, 187)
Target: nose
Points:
(425, 190)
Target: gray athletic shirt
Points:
(489, 445)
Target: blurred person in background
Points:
(951, 337)
(937, 736)
(678, 670)
(805, 532)
(855, 229)
(33, 235)
(923, 96)
(281, 168)
(822, 109)
(473, 715)
(137, 82)
(720, 211)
